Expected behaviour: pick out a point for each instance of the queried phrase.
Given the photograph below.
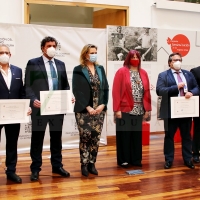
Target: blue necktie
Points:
(53, 76)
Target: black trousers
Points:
(170, 126)
(196, 137)
(129, 139)
(39, 124)
(12, 134)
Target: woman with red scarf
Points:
(131, 104)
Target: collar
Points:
(46, 60)
(174, 71)
(1, 68)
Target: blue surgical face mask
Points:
(93, 58)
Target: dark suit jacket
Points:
(196, 73)
(36, 79)
(16, 90)
(83, 91)
(167, 87)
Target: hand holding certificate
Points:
(182, 107)
(14, 111)
(56, 102)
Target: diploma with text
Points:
(182, 107)
(56, 102)
(14, 111)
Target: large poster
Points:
(162, 42)
(24, 42)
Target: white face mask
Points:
(51, 52)
(177, 65)
(4, 59)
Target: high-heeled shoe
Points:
(84, 170)
(92, 169)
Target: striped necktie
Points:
(180, 80)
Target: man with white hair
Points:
(11, 87)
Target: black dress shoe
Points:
(61, 171)
(196, 159)
(84, 170)
(14, 177)
(92, 169)
(168, 165)
(34, 176)
(189, 164)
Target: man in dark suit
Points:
(11, 87)
(196, 121)
(172, 83)
(43, 74)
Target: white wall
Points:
(12, 11)
(142, 13)
(170, 18)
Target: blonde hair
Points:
(84, 52)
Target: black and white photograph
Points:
(121, 39)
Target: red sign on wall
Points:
(180, 44)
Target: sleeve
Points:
(65, 83)
(147, 95)
(77, 90)
(195, 88)
(106, 88)
(164, 89)
(29, 78)
(22, 88)
(116, 91)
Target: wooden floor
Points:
(113, 182)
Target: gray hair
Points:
(4, 45)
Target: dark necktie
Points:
(180, 80)
(53, 76)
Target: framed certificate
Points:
(182, 107)
(56, 102)
(14, 111)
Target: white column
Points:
(12, 11)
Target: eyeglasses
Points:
(6, 52)
(175, 60)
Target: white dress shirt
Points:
(182, 77)
(47, 67)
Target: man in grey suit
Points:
(45, 73)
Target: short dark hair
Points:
(48, 39)
(171, 55)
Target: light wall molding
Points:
(177, 5)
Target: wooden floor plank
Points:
(112, 183)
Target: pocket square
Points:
(17, 78)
